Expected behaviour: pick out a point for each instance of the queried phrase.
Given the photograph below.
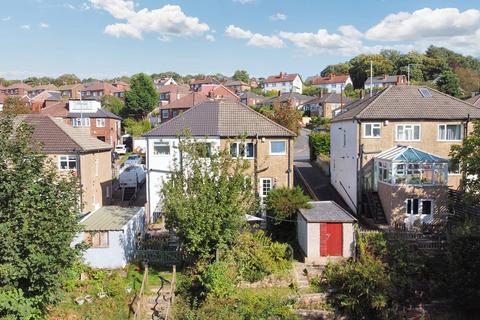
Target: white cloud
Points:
(244, 1)
(210, 38)
(426, 24)
(81, 7)
(278, 16)
(25, 27)
(168, 21)
(44, 25)
(254, 39)
(347, 42)
(6, 19)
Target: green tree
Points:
(468, 156)
(37, 222)
(339, 68)
(207, 206)
(66, 79)
(113, 104)
(360, 68)
(285, 115)
(310, 90)
(282, 203)
(137, 128)
(241, 75)
(15, 105)
(142, 98)
(448, 83)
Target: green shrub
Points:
(218, 279)
(257, 256)
(137, 128)
(319, 122)
(282, 203)
(319, 144)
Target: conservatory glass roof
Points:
(403, 153)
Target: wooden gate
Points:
(331, 239)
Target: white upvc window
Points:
(81, 122)
(450, 132)
(408, 132)
(278, 147)
(165, 114)
(67, 162)
(266, 184)
(161, 148)
(100, 122)
(242, 149)
(419, 206)
(371, 130)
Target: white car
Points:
(121, 149)
(134, 159)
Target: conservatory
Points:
(405, 165)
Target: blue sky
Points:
(107, 38)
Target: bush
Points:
(319, 144)
(137, 128)
(257, 256)
(282, 203)
(319, 122)
(218, 279)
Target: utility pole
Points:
(408, 74)
(371, 78)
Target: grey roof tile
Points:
(326, 211)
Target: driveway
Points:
(311, 178)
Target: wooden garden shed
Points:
(325, 231)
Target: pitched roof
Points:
(56, 136)
(326, 211)
(57, 110)
(69, 86)
(404, 153)
(407, 102)
(49, 86)
(285, 97)
(251, 95)
(235, 83)
(330, 98)
(109, 218)
(19, 85)
(48, 95)
(330, 79)
(188, 101)
(282, 77)
(221, 118)
(384, 79)
(206, 80)
(101, 113)
(475, 100)
(101, 85)
(173, 88)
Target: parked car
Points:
(121, 149)
(133, 160)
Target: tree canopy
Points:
(113, 104)
(205, 202)
(142, 98)
(37, 222)
(241, 75)
(15, 105)
(284, 114)
(448, 83)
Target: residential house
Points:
(171, 92)
(71, 91)
(332, 82)
(40, 88)
(122, 87)
(265, 144)
(196, 85)
(384, 81)
(113, 234)
(284, 83)
(237, 86)
(181, 105)
(219, 92)
(394, 149)
(74, 151)
(99, 89)
(44, 99)
(325, 232)
(101, 124)
(251, 99)
(475, 100)
(253, 83)
(164, 82)
(293, 99)
(326, 105)
(18, 89)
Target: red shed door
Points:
(331, 239)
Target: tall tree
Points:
(449, 83)
(339, 68)
(142, 98)
(37, 224)
(15, 105)
(241, 75)
(285, 115)
(66, 79)
(205, 202)
(467, 156)
(360, 68)
(113, 104)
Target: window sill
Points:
(364, 137)
(278, 154)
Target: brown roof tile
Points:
(475, 100)
(330, 79)
(221, 118)
(173, 88)
(282, 77)
(406, 102)
(187, 101)
(57, 110)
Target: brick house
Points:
(394, 149)
(99, 89)
(18, 89)
(237, 86)
(268, 147)
(196, 85)
(71, 91)
(181, 105)
(251, 99)
(332, 82)
(74, 151)
(40, 88)
(171, 92)
(326, 105)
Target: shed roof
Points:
(404, 153)
(326, 211)
(109, 218)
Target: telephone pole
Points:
(371, 78)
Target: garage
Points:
(324, 232)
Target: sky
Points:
(111, 38)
